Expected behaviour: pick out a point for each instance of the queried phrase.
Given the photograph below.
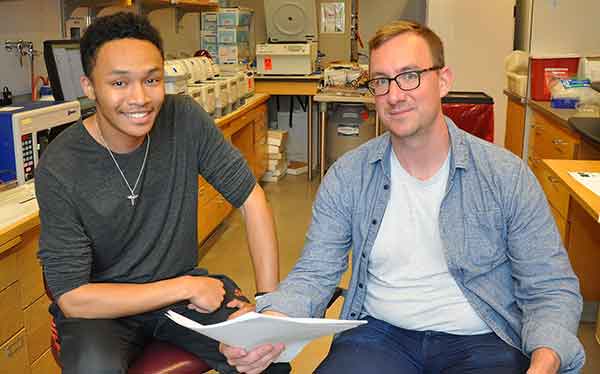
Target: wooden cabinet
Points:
(515, 126)
(246, 129)
(553, 139)
(25, 321)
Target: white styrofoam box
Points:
(233, 35)
(516, 83)
(233, 53)
(234, 17)
(590, 68)
(209, 21)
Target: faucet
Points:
(22, 47)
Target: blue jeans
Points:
(379, 347)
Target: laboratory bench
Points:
(25, 321)
(583, 212)
(553, 142)
(294, 85)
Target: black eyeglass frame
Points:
(419, 73)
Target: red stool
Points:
(157, 358)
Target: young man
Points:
(118, 198)
(456, 261)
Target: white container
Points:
(590, 68)
(516, 83)
(196, 70)
(204, 94)
(222, 105)
(176, 78)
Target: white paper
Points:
(10, 108)
(589, 179)
(332, 18)
(253, 329)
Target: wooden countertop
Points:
(30, 219)
(515, 97)
(310, 77)
(586, 198)
(560, 115)
(251, 103)
(331, 98)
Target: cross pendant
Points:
(132, 197)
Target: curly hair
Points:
(120, 25)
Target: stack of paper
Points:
(254, 329)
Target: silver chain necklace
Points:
(133, 195)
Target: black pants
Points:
(109, 346)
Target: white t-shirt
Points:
(408, 282)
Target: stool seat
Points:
(157, 358)
(164, 358)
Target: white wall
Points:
(376, 13)
(565, 26)
(31, 20)
(477, 36)
(177, 42)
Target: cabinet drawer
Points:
(561, 224)
(11, 312)
(13, 355)
(30, 271)
(206, 191)
(8, 263)
(45, 364)
(556, 192)
(37, 325)
(211, 215)
(551, 140)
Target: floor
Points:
(291, 200)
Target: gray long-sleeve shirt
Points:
(89, 230)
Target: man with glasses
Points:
(457, 264)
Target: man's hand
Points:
(544, 361)
(243, 308)
(256, 360)
(206, 294)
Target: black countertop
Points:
(588, 127)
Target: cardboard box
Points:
(276, 164)
(276, 156)
(297, 167)
(277, 137)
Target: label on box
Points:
(553, 73)
(268, 63)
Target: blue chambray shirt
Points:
(501, 245)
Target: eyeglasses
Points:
(407, 81)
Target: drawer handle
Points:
(15, 347)
(553, 179)
(558, 142)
